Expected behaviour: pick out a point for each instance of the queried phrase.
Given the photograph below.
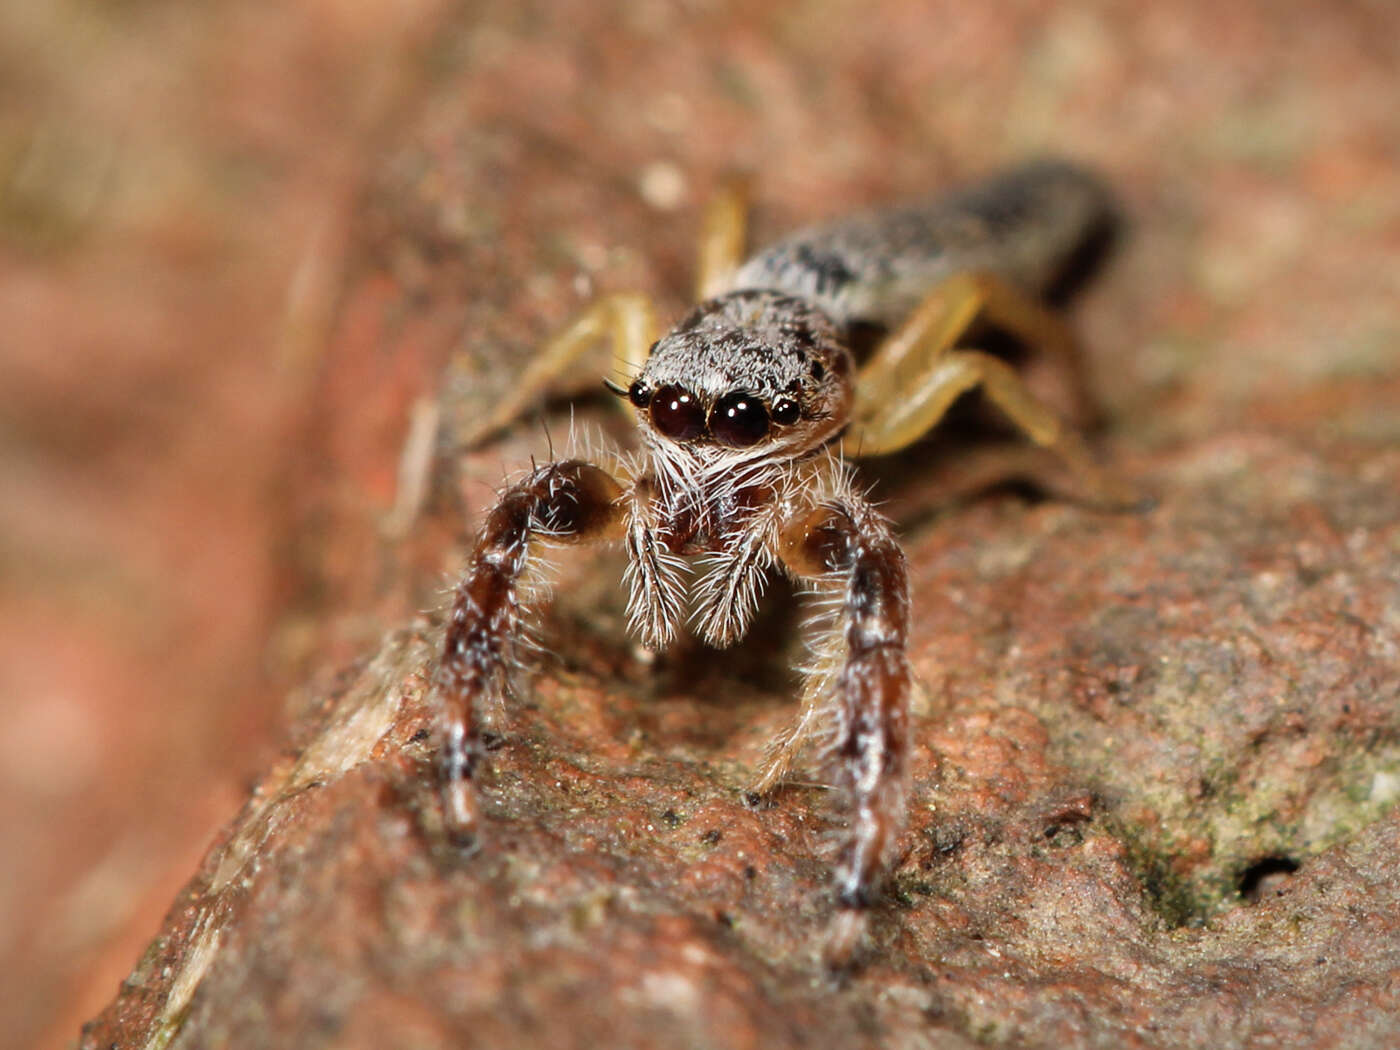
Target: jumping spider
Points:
(747, 411)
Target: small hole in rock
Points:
(1266, 877)
(1064, 835)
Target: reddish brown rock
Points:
(1156, 756)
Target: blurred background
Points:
(239, 243)
(176, 183)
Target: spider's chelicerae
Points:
(747, 411)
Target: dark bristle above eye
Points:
(739, 419)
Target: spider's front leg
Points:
(563, 502)
(847, 547)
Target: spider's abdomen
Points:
(1026, 226)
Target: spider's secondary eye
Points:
(739, 419)
(785, 411)
(639, 393)
(677, 414)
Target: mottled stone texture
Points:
(1156, 756)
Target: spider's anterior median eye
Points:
(677, 414)
(785, 411)
(739, 419)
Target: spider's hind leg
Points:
(723, 236)
(916, 374)
(627, 317)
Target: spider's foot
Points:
(1141, 503)
(759, 799)
(460, 815)
(844, 937)
(1110, 492)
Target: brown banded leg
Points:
(916, 375)
(560, 503)
(627, 317)
(723, 235)
(863, 679)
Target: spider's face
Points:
(749, 370)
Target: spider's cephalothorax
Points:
(745, 411)
(745, 371)
(733, 406)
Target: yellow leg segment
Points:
(929, 332)
(925, 401)
(627, 318)
(1030, 321)
(723, 234)
(946, 315)
(916, 375)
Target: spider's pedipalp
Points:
(655, 579)
(732, 582)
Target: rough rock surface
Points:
(1157, 755)
(1127, 718)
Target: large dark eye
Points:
(639, 393)
(738, 419)
(676, 413)
(785, 411)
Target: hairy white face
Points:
(750, 370)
